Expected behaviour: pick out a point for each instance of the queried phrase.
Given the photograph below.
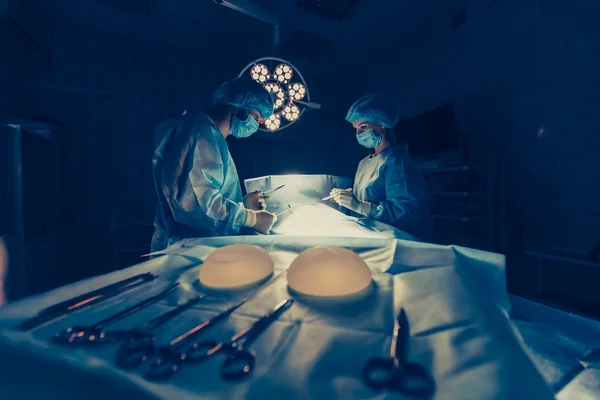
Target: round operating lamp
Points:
(288, 88)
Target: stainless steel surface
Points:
(298, 188)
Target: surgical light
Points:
(273, 123)
(287, 87)
(291, 112)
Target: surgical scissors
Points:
(130, 356)
(240, 361)
(94, 334)
(395, 372)
(141, 336)
(86, 300)
(268, 192)
(134, 353)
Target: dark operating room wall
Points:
(525, 76)
(110, 91)
(15, 57)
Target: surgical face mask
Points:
(369, 139)
(243, 129)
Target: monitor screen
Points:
(430, 133)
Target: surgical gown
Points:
(393, 184)
(197, 184)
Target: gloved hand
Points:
(264, 221)
(337, 191)
(255, 201)
(346, 198)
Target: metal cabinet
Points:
(467, 205)
(35, 209)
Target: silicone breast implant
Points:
(235, 266)
(328, 272)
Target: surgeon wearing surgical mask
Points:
(199, 192)
(388, 187)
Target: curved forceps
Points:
(94, 334)
(240, 361)
(139, 342)
(130, 356)
(394, 372)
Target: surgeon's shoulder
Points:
(166, 123)
(396, 155)
(177, 121)
(163, 128)
(203, 127)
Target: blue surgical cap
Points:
(377, 108)
(246, 94)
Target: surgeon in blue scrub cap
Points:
(388, 187)
(198, 187)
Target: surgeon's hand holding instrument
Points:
(396, 373)
(335, 192)
(347, 199)
(255, 201)
(94, 334)
(264, 221)
(240, 361)
(86, 300)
